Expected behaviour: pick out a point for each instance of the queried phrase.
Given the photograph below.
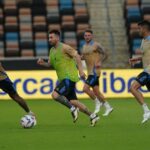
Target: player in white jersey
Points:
(144, 77)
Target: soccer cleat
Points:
(94, 120)
(75, 114)
(97, 107)
(108, 111)
(31, 113)
(146, 117)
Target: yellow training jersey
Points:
(145, 47)
(91, 55)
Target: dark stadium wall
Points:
(22, 65)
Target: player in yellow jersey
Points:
(65, 60)
(144, 77)
(94, 54)
(7, 86)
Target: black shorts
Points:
(67, 88)
(7, 86)
(144, 79)
(92, 80)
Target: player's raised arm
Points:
(41, 62)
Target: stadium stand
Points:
(108, 24)
(24, 25)
(135, 11)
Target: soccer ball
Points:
(28, 121)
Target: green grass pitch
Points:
(122, 130)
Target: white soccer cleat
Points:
(146, 117)
(108, 111)
(94, 120)
(97, 107)
(75, 114)
(31, 113)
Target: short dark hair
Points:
(145, 23)
(89, 30)
(54, 31)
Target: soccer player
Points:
(94, 54)
(7, 86)
(144, 77)
(65, 60)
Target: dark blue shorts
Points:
(144, 79)
(7, 86)
(67, 88)
(92, 80)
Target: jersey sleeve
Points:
(70, 51)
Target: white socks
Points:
(145, 108)
(106, 104)
(97, 100)
(72, 108)
(92, 115)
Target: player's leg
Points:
(71, 95)
(20, 101)
(93, 117)
(90, 82)
(8, 87)
(141, 80)
(59, 95)
(134, 89)
(81, 106)
(88, 91)
(103, 101)
(61, 99)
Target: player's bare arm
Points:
(1, 67)
(79, 64)
(132, 61)
(41, 62)
(138, 51)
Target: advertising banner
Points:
(40, 84)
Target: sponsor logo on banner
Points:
(40, 84)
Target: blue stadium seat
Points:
(66, 7)
(136, 43)
(41, 44)
(11, 36)
(133, 14)
(41, 47)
